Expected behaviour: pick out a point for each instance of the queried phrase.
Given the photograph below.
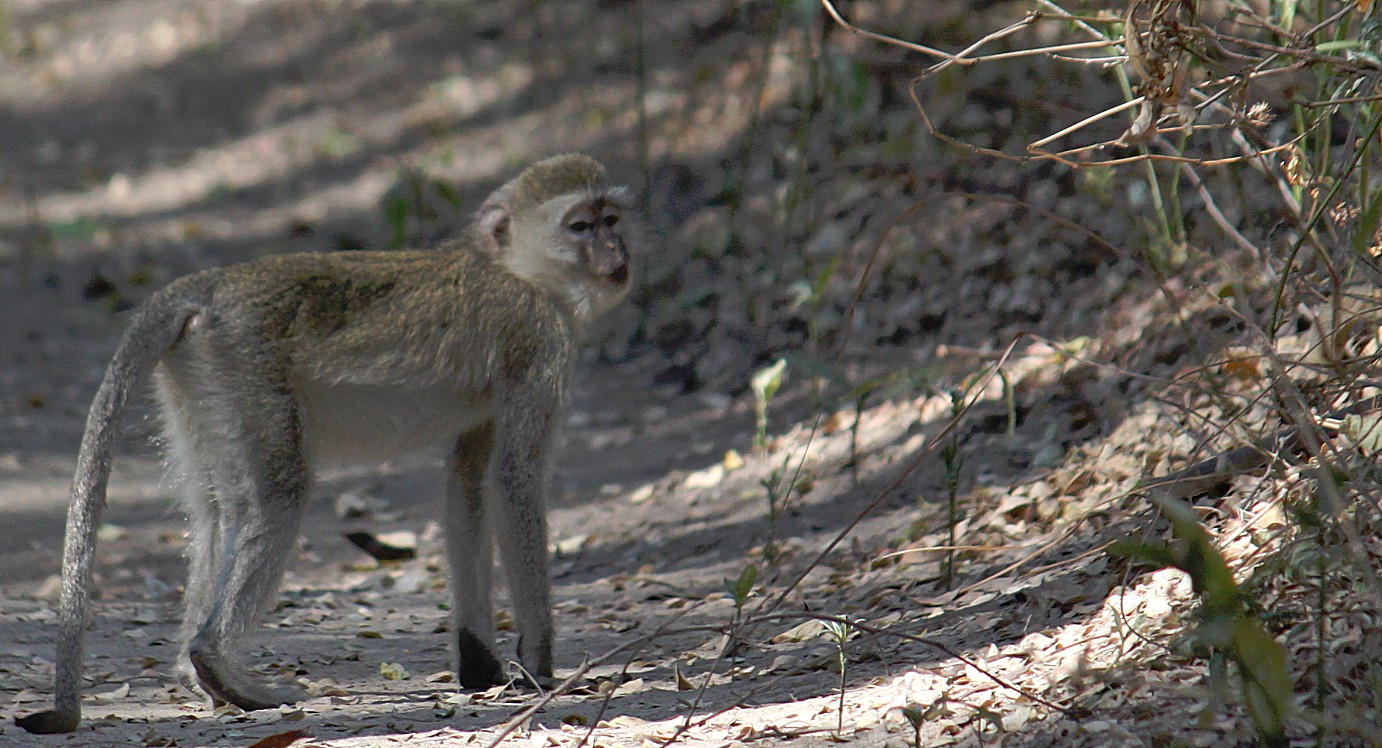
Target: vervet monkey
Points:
(267, 370)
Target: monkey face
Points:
(593, 226)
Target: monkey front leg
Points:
(522, 451)
(470, 557)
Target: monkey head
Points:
(556, 221)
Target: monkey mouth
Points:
(620, 276)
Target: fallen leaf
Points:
(801, 632)
(682, 683)
(281, 740)
(707, 478)
(732, 461)
(380, 550)
(568, 546)
(117, 695)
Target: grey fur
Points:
(268, 369)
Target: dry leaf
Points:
(707, 478)
(381, 550)
(682, 683)
(568, 546)
(801, 632)
(281, 740)
(732, 461)
(1242, 365)
(118, 694)
(622, 721)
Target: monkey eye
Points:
(579, 227)
(611, 219)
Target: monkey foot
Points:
(187, 678)
(479, 669)
(47, 723)
(229, 686)
(541, 682)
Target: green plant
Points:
(772, 487)
(1226, 628)
(840, 631)
(411, 206)
(765, 384)
(954, 462)
(739, 589)
(914, 716)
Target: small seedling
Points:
(954, 462)
(841, 631)
(739, 590)
(772, 487)
(915, 716)
(765, 383)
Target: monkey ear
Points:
(492, 223)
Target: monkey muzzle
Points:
(609, 259)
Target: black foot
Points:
(480, 669)
(48, 723)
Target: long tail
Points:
(154, 329)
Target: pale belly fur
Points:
(345, 424)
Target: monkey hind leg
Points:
(189, 436)
(260, 491)
(204, 550)
(247, 587)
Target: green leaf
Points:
(739, 589)
(1368, 221)
(1267, 686)
(765, 383)
(1338, 44)
(768, 380)
(823, 279)
(840, 630)
(447, 193)
(78, 229)
(1209, 573)
(1153, 554)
